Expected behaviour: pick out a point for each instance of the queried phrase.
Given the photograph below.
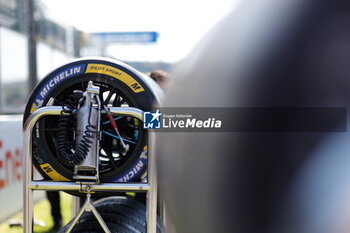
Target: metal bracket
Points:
(29, 185)
(88, 206)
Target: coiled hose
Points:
(64, 123)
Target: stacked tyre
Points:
(120, 215)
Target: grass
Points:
(42, 212)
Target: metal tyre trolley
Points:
(29, 185)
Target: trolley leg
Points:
(88, 206)
(99, 219)
(151, 204)
(28, 211)
(27, 192)
(76, 218)
(75, 205)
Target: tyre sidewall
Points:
(133, 86)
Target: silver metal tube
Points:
(151, 204)
(98, 141)
(28, 166)
(72, 186)
(76, 218)
(134, 112)
(75, 205)
(56, 110)
(29, 185)
(100, 219)
(27, 193)
(88, 206)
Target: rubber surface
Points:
(120, 214)
(129, 85)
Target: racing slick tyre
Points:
(120, 85)
(119, 213)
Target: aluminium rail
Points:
(29, 185)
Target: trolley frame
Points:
(30, 185)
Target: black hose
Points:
(65, 122)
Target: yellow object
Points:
(116, 73)
(52, 173)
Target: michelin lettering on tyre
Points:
(55, 80)
(69, 73)
(79, 69)
(136, 169)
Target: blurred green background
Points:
(42, 212)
